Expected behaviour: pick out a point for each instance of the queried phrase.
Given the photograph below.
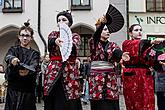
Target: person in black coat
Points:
(22, 63)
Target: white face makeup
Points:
(25, 38)
(63, 19)
(136, 32)
(105, 33)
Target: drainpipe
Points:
(39, 26)
(127, 8)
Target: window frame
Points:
(85, 50)
(155, 7)
(12, 9)
(80, 6)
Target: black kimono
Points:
(21, 89)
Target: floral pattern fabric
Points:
(103, 85)
(70, 72)
(138, 84)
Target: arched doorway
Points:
(8, 38)
(86, 31)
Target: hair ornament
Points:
(27, 23)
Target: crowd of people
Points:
(64, 84)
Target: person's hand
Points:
(151, 69)
(59, 42)
(162, 63)
(121, 63)
(156, 41)
(23, 72)
(125, 56)
(15, 61)
(78, 63)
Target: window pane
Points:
(84, 47)
(160, 5)
(81, 48)
(150, 5)
(87, 52)
(84, 2)
(8, 3)
(76, 2)
(17, 3)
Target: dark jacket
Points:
(27, 56)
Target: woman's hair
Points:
(132, 26)
(67, 14)
(26, 27)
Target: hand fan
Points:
(161, 57)
(66, 36)
(160, 51)
(23, 65)
(115, 20)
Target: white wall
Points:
(154, 26)
(30, 11)
(137, 5)
(121, 35)
(49, 10)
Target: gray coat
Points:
(160, 81)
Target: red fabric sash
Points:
(59, 58)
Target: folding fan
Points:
(23, 66)
(157, 51)
(161, 57)
(115, 20)
(160, 50)
(66, 36)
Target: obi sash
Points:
(102, 66)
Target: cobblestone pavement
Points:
(85, 107)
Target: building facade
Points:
(150, 14)
(42, 15)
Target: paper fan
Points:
(115, 20)
(161, 57)
(66, 36)
(23, 66)
(160, 50)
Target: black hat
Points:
(67, 14)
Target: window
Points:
(12, 6)
(152, 37)
(84, 47)
(0, 2)
(80, 4)
(155, 5)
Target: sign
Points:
(150, 19)
(156, 20)
(151, 37)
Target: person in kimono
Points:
(103, 89)
(22, 79)
(138, 83)
(157, 54)
(61, 84)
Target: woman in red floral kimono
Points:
(61, 83)
(138, 84)
(103, 89)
